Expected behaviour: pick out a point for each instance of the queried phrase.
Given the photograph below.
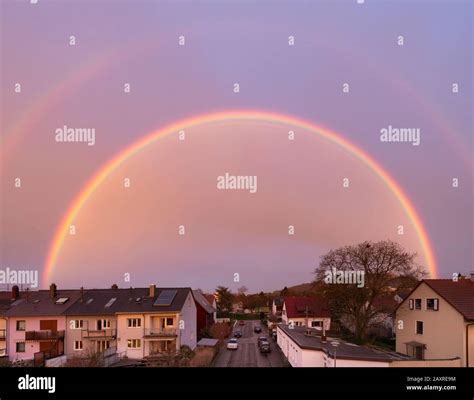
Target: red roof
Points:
(459, 294)
(298, 306)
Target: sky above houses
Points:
(127, 69)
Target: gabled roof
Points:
(102, 301)
(302, 306)
(96, 302)
(459, 294)
(138, 301)
(41, 303)
(202, 301)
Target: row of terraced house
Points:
(132, 322)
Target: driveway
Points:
(248, 355)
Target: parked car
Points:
(241, 322)
(262, 339)
(265, 347)
(257, 329)
(238, 334)
(233, 344)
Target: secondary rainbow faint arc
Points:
(238, 115)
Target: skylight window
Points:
(62, 300)
(110, 302)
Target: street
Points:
(248, 354)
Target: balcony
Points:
(99, 334)
(44, 335)
(3, 334)
(160, 333)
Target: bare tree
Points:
(382, 263)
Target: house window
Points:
(20, 325)
(134, 322)
(77, 324)
(134, 343)
(419, 327)
(169, 321)
(432, 304)
(103, 324)
(417, 304)
(317, 324)
(78, 345)
(102, 345)
(411, 304)
(20, 347)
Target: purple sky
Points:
(407, 86)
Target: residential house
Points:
(436, 321)
(36, 323)
(305, 347)
(91, 323)
(237, 307)
(211, 299)
(155, 320)
(205, 312)
(309, 311)
(7, 298)
(277, 309)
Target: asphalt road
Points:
(248, 355)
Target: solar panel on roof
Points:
(166, 297)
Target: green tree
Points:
(225, 299)
(285, 292)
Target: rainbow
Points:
(238, 115)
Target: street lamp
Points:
(335, 344)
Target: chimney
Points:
(152, 291)
(82, 294)
(114, 286)
(52, 290)
(15, 292)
